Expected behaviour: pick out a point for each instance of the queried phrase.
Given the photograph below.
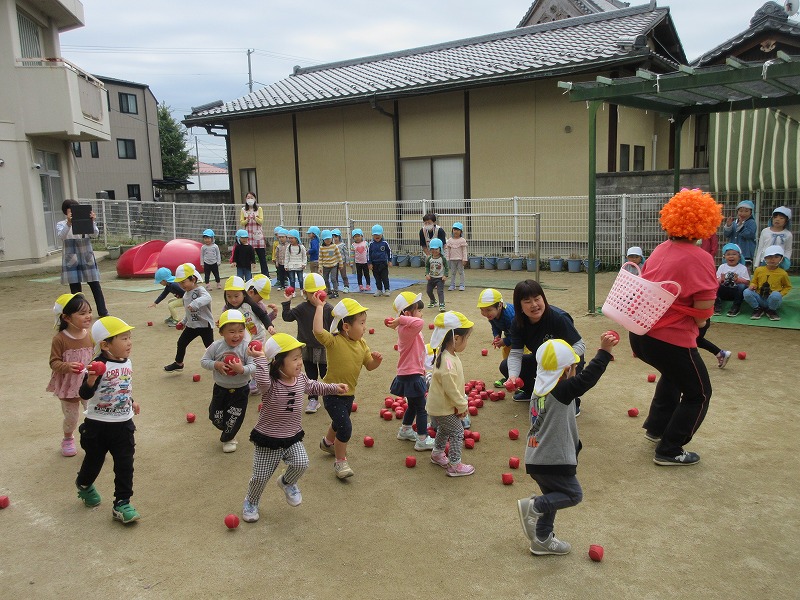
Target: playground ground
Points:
(725, 528)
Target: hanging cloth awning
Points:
(754, 150)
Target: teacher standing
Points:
(252, 220)
(430, 231)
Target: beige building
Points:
(125, 166)
(46, 103)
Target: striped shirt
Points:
(329, 256)
(282, 404)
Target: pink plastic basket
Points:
(637, 304)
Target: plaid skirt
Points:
(77, 261)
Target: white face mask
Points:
(250, 202)
(429, 228)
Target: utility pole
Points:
(197, 155)
(249, 70)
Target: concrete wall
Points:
(652, 182)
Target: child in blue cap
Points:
(164, 277)
(210, 256)
(742, 230)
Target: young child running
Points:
(70, 352)
(108, 427)
(360, 251)
(446, 400)
(278, 435)
(198, 320)
(551, 454)
(348, 352)
(345, 262)
(295, 259)
(410, 380)
(455, 251)
(329, 259)
(233, 368)
(777, 234)
(379, 254)
(315, 358)
(500, 316)
(211, 257)
(436, 272)
(164, 277)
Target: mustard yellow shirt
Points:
(778, 280)
(345, 359)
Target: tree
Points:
(176, 161)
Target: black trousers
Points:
(381, 272)
(282, 276)
(705, 344)
(227, 409)
(187, 337)
(99, 438)
(261, 253)
(97, 292)
(211, 269)
(362, 270)
(682, 393)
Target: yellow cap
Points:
(261, 284)
(107, 327)
(230, 316)
(61, 302)
(346, 308)
(280, 342)
(445, 322)
(404, 300)
(185, 271)
(489, 297)
(234, 284)
(552, 358)
(313, 283)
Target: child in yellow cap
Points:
(347, 352)
(500, 316)
(199, 320)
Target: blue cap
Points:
(325, 235)
(277, 230)
(746, 204)
(294, 233)
(314, 230)
(282, 231)
(357, 232)
(164, 274)
(208, 233)
(377, 230)
(337, 232)
(436, 243)
(242, 233)
(458, 225)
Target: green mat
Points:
(789, 312)
(54, 279)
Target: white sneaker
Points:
(722, 358)
(451, 288)
(342, 469)
(406, 433)
(461, 288)
(312, 406)
(249, 511)
(346, 290)
(229, 446)
(292, 492)
(528, 516)
(426, 444)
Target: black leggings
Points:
(362, 271)
(209, 270)
(97, 292)
(188, 335)
(261, 253)
(339, 409)
(705, 344)
(381, 272)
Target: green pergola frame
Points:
(689, 91)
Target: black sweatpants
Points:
(210, 269)
(227, 409)
(188, 335)
(99, 438)
(381, 272)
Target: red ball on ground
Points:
(255, 346)
(387, 402)
(484, 352)
(473, 410)
(4, 502)
(190, 417)
(651, 378)
(467, 434)
(596, 552)
(513, 462)
(398, 414)
(289, 290)
(633, 412)
(369, 442)
(387, 416)
(149, 323)
(411, 461)
(371, 330)
(479, 403)
(484, 395)
(231, 521)
(742, 355)
(507, 478)
(513, 434)
(196, 377)
(469, 443)
(476, 435)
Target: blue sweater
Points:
(170, 288)
(313, 249)
(379, 252)
(743, 235)
(502, 323)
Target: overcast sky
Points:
(191, 53)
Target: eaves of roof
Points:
(766, 26)
(541, 51)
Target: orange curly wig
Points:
(691, 214)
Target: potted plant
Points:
(517, 263)
(556, 263)
(574, 263)
(490, 262)
(530, 262)
(503, 263)
(475, 262)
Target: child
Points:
(295, 259)
(313, 249)
(446, 399)
(360, 251)
(742, 232)
(280, 258)
(378, 256)
(455, 251)
(164, 277)
(70, 352)
(259, 289)
(233, 368)
(198, 319)
(636, 256)
(337, 239)
(329, 259)
(777, 234)
(278, 435)
(436, 272)
(768, 286)
(348, 353)
(551, 455)
(243, 255)
(500, 316)
(210, 257)
(733, 280)
(274, 255)
(410, 380)
(315, 359)
(108, 427)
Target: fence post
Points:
(347, 214)
(538, 246)
(624, 222)
(224, 225)
(128, 218)
(105, 223)
(516, 224)
(280, 210)
(174, 223)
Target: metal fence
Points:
(493, 226)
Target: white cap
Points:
(552, 358)
(774, 251)
(445, 322)
(634, 251)
(404, 300)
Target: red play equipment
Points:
(144, 259)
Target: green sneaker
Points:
(89, 495)
(431, 304)
(125, 513)
(500, 382)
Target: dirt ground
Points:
(725, 528)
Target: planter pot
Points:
(114, 252)
(416, 261)
(556, 264)
(475, 262)
(503, 264)
(490, 262)
(517, 264)
(394, 260)
(574, 265)
(402, 260)
(125, 247)
(530, 264)
(585, 263)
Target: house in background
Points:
(125, 166)
(209, 177)
(46, 103)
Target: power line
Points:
(182, 50)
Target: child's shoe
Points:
(68, 447)
(442, 308)
(385, 292)
(734, 311)
(343, 470)
(249, 511)
(722, 358)
(312, 406)
(500, 382)
(439, 458)
(229, 446)
(346, 289)
(425, 444)
(292, 492)
(253, 387)
(528, 516)
(219, 286)
(377, 293)
(89, 495)
(451, 288)
(323, 445)
(361, 288)
(368, 288)
(173, 367)
(406, 433)
(459, 470)
(466, 422)
(461, 288)
(552, 545)
(757, 314)
(717, 308)
(773, 315)
(125, 513)
(431, 304)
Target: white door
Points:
(52, 194)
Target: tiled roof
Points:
(586, 7)
(209, 169)
(546, 50)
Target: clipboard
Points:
(81, 219)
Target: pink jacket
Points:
(411, 345)
(456, 249)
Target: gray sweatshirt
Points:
(217, 351)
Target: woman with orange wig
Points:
(683, 391)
